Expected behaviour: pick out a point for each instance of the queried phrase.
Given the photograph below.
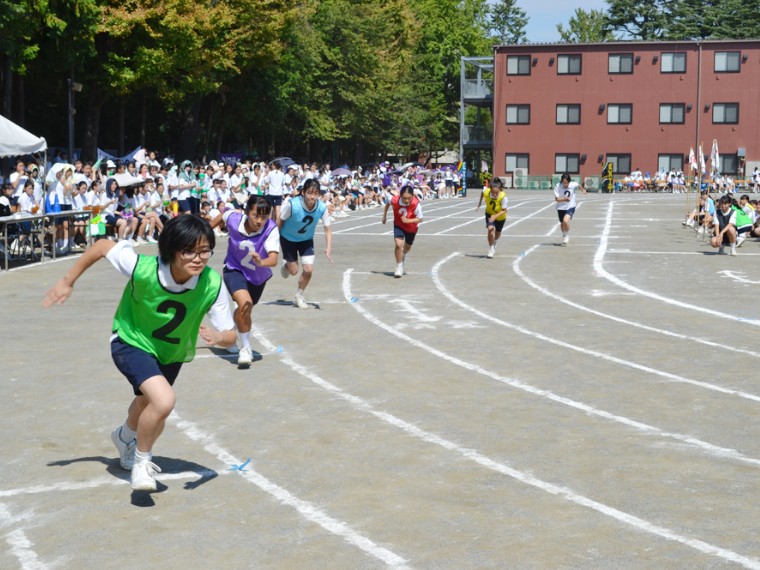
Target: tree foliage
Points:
(508, 22)
(639, 19)
(586, 27)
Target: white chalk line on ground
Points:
(376, 220)
(20, 545)
(710, 448)
(602, 272)
(544, 291)
(484, 461)
(101, 482)
(595, 353)
(304, 508)
(480, 217)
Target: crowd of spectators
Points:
(725, 220)
(134, 198)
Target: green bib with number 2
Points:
(160, 322)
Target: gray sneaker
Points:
(126, 450)
(144, 476)
(284, 271)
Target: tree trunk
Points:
(189, 132)
(21, 100)
(122, 133)
(7, 87)
(92, 124)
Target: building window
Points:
(621, 163)
(728, 164)
(515, 161)
(726, 113)
(569, 163)
(672, 113)
(569, 64)
(673, 62)
(518, 65)
(518, 114)
(620, 63)
(727, 61)
(569, 114)
(619, 113)
(668, 162)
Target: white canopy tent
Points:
(15, 141)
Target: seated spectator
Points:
(6, 208)
(744, 222)
(703, 214)
(724, 230)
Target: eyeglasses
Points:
(188, 255)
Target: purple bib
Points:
(240, 247)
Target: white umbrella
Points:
(124, 179)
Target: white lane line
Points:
(20, 545)
(595, 353)
(710, 448)
(306, 509)
(672, 334)
(602, 272)
(101, 482)
(472, 455)
(479, 216)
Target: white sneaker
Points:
(565, 240)
(491, 251)
(740, 240)
(245, 357)
(144, 476)
(399, 271)
(284, 271)
(299, 302)
(126, 450)
(139, 241)
(733, 250)
(233, 349)
(151, 239)
(701, 230)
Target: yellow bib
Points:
(493, 205)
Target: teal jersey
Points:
(301, 224)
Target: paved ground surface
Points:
(589, 406)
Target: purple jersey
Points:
(240, 247)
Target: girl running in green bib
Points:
(156, 326)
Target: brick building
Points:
(575, 107)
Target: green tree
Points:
(507, 22)
(449, 30)
(586, 27)
(639, 19)
(716, 19)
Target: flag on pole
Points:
(702, 165)
(692, 159)
(714, 157)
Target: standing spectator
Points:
(274, 182)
